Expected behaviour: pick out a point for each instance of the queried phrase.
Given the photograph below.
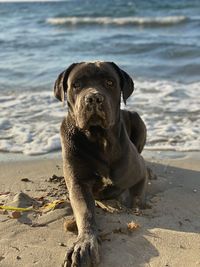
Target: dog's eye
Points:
(77, 85)
(109, 83)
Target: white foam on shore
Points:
(154, 21)
(30, 122)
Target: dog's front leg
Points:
(85, 251)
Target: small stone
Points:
(25, 180)
(18, 258)
(61, 244)
(195, 190)
(16, 214)
(70, 225)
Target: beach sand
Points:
(168, 233)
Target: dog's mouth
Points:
(96, 129)
(96, 121)
(96, 117)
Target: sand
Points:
(168, 232)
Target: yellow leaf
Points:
(15, 208)
(51, 206)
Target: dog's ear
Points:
(60, 86)
(126, 83)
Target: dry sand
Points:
(169, 232)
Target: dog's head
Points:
(93, 92)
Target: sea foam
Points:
(30, 121)
(151, 21)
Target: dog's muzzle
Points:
(94, 101)
(93, 109)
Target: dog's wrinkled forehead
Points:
(93, 72)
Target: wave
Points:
(151, 21)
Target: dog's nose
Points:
(94, 99)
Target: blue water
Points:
(33, 50)
(156, 42)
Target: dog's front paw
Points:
(83, 253)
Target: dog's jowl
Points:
(99, 140)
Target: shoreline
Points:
(153, 156)
(146, 153)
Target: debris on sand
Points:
(15, 214)
(132, 226)
(125, 230)
(60, 190)
(109, 206)
(56, 179)
(23, 200)
(52, 205)
(20, 203)
(70, 225)
(26, 180)
(24, 203)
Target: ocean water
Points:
(156, 42)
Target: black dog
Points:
(99, 141)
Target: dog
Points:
(101, 146)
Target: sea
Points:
(156, 41)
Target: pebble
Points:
(15, 214)
(25, 180)
(61, 244)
